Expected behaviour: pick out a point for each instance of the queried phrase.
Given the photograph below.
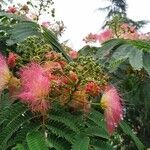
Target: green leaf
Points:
(21, 31)
(61, 130)
(15, 17)
(57, 142)
(100, 145)
(107, 47)
(36, 141)
(146, 62)
(136, 58)
(4, 100)
(122, 51)
(11, 128)
(18, 147)
(97, 131)
(12, 112)
(75, 124)
(51, 38)
(127, 130)
(97, 118)
(81, 142)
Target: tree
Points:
(119, 8)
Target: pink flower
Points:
(35, 87)
(125, 26)
(73, 54)
(11, 60)
(31, 16)
(105, 36)
(11, 9)
(90, 38)
(113, 110)
(129, 32)
(46, 24)
(92, 89)
(4, 73)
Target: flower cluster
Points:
(124, 31)
(128, 32)
(77, 84)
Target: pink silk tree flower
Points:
(11, 60)
(113, 110)
(73, 54)
(11, 9)
(31, 16)
(105, 35)
(35, 88)
(46, 24)
(4, 73)
(90, 38)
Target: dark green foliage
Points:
(81, 142)
(101, 145)
(62, 130)
(35, 140)
(20, 31)
(119, 8)
(119, 50)
(126, 129)
(128, 64)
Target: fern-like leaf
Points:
(36, 141)
(100, 145)
(127, 130)
(81, 142)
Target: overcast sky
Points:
(82, 17)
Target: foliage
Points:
(58, 113)
(51, 97)
(128, 64)
(119, 8)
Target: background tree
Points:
(119, 7)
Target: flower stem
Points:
(96, 104)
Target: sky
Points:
(82, 17)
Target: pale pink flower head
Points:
(46, 24)
(11, 9)
(4, 73)
(125, 26)
(90, 38)
(132, 36)
(145, 36)
(31, 16)
(11, 60)
(129, 32)
(113, 109)
(73, 54)
(105, 36)
(35, 87)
